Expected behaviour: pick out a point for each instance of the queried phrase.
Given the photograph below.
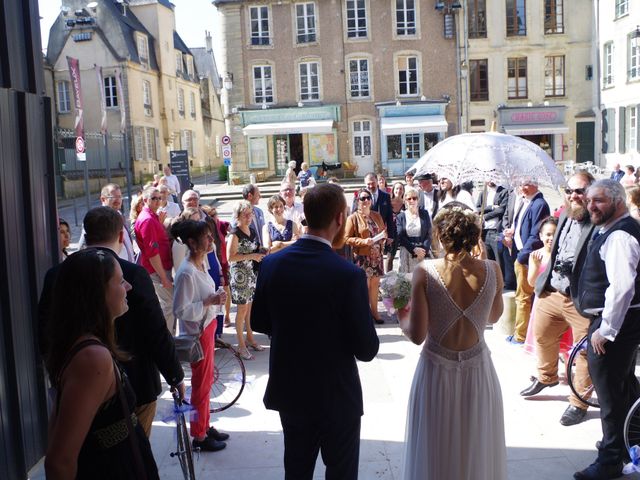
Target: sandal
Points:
(244, 353)
(256, 347)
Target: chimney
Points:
(208, 40)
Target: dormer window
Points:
(143, 49)
(190, 66)
(179, 68)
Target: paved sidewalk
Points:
(539, 448)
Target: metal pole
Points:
(86, 184)
(127, 163)
(106, 156)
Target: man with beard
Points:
(314, 384)
(609, 294)
(556, 289)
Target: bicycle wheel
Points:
(229, 377)
(184, 453)
(632, 426)
(587, 397)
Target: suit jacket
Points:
(411, 242)
(544, 279)
(530, 227)
(141, 331)
(259, 220)
(617, 176)
(436, 202)
(303, 292)
(507, 217)
(498, 208)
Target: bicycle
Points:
(587, 396)
(229, 377)
(184, 450)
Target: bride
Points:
(455, 423)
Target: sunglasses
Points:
(364, 199)
(577, 191)
(412, 198)
(155, 198)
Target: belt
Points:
(554, 290)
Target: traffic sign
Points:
(80, 149)
(226, 140)
(226, 152)
(227, 162)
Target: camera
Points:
(563, 267)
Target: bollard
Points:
(252, 178)
(507, 321)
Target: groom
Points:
(313, 376)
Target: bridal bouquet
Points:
(395, 289)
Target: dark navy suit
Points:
(315, 307)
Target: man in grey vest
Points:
(609, 294)
(556, 289)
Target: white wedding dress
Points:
(455, 421)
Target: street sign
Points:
(179, 163)
(80, 149)
(226, 152)
(227, 162)
(226, 140)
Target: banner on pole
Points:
(74, 74)
(103, 102)
(123, 115)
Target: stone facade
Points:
(314, 81)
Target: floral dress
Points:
(242, 273)
(372, 264)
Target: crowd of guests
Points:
(178, 267)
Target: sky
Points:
(193, 17)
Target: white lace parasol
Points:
(491, 156)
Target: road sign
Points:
(226, 140)
(226, 152)
(80, 149)
(227, 162)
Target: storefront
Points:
(408, 131)
(274, 137)
(543, 126)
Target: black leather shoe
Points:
(208, 445)
(378, 321)
(597, 471)
(536, 387)
(573, 416)
(216, 435)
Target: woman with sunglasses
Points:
(361, 228)
(414, 232)
(397, 205)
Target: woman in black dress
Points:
(93, 432)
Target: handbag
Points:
(188, 348)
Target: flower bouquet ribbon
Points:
(634, 465)
(395, 290)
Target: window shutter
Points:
(158, 151)
(611, 130)
(193, 143)
(605, 131)
(622, 117)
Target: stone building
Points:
(618, 48)
(529, 67)
(162, 91)
(368, 82)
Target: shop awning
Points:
(416, 124)
(283, 128)
(535, 129)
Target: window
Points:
(143, 49)
(110, 92)
(554, 76)
(634, 57)
(178, 62)
(412, 145)
(305, 22)
(64, 102)
(188, 142)
(632, 128)
(260, 26)
(517, 78)
(258, 155)
(190, 66)
(516, 18)
(394, 147)
(362, 138)
(359, 78)
(181, 102)
(553, 16)
(151, 144)
(309, 83)
(262, 84)
(477, 18)
(607, 64)
(405, 17)
(146, 98)
(408, 75)
(356, 19)
(479, 80)
(138, 143)
(192, 105)
(622, 8)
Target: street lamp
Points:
(227, 83)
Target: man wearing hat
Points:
(428, 198)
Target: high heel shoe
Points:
(244, 353)
(256, 347)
